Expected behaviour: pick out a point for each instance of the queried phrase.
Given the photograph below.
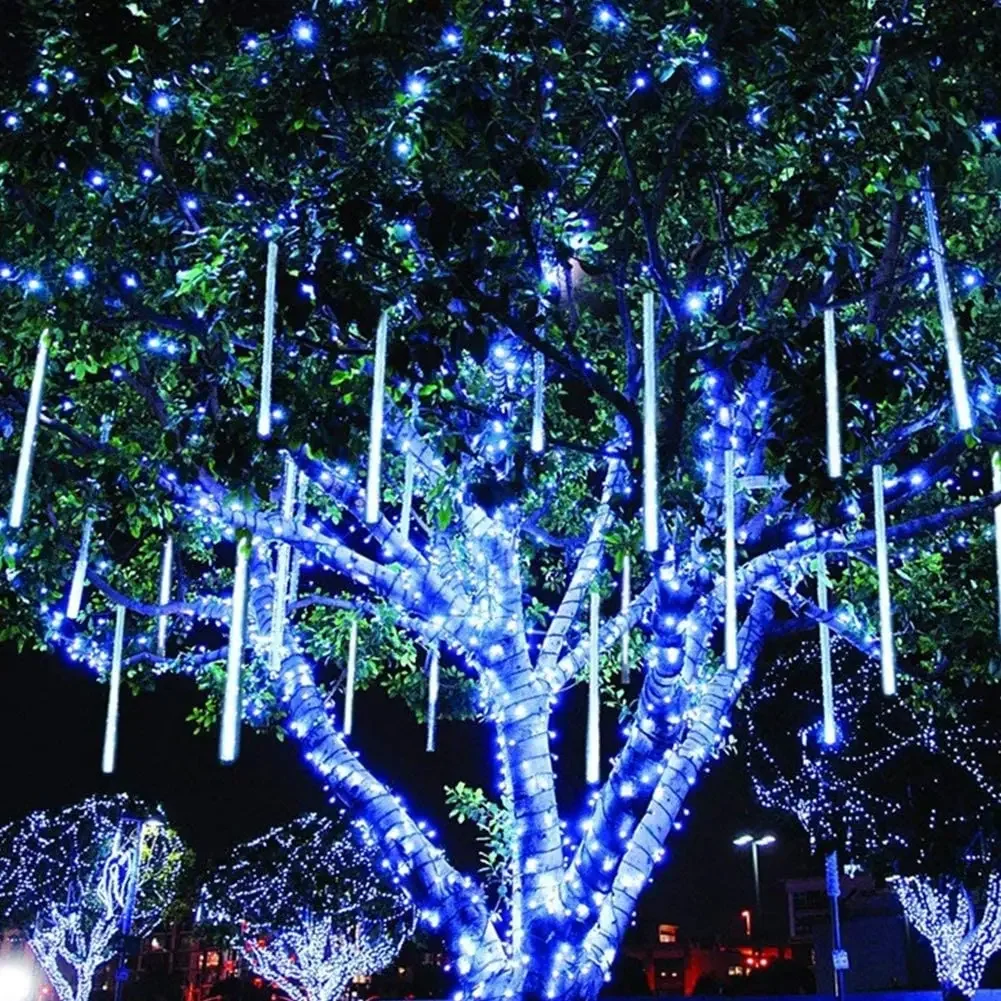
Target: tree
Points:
(943, 911)
(313, 911)
(511, 194)
(78, 879)
(909, 793)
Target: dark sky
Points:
(50, 745)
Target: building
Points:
(882, 951)
(174, 963)
(673, 966)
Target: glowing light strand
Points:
(730, 559)
(267, 357)
(834, 466)
(110, 751)
(75, 600)
(407, 503)
(434, 681)
(593, 745)
(650, 509)
(830, 726)
(22, 479)
(229, 730)
(886, 652)
(996, 488)
(953, 347)
(296, 569)
(166, 585)
(374, 472)
(538, 440)
(349, 679)
(627, 566)
(279, 610)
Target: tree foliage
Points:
(505, 182)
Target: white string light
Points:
(74, 877)
(310, 906)
(944, 915)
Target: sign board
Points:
(840, 958)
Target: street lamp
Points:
(141, 823)
(742, 841)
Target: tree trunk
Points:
(952, 993)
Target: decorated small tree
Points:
(311, 907)
(910, 792)
(77, 880)
(481, 352)
(943, 911)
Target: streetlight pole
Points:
(742, 841)
(838, 955)
(121, 973)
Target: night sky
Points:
(50, 746)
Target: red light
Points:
(763, 962)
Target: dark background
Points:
(51, 730)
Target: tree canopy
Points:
(512, 192)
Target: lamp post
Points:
(742, 841)
(141, 823)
